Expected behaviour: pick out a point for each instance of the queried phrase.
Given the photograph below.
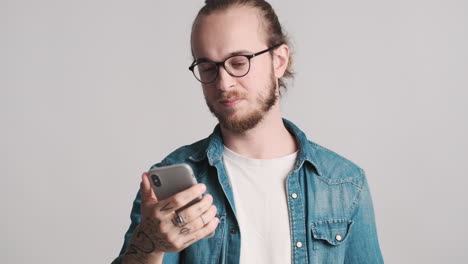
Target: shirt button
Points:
(338, 238)
(233, 231)
(294, 195)
(299, 244)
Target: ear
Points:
(280, 60)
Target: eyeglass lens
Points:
(236, 66)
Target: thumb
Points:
(147, 194)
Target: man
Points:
(272, 196)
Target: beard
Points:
(238, 123)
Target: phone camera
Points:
(156, 180)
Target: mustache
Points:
(231, 94)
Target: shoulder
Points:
(334, 168)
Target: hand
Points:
(160, 231)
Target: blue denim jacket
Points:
(331, 214)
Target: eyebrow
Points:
(238, 52)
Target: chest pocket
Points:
(334, 232)
(329, 239)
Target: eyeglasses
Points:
(207, 71)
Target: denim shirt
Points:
(330, 208)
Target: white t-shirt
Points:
(259, 188)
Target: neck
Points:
(269, 139)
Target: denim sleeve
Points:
(363, 245)
(135, 216)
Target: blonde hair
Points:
(273, 30)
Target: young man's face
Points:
(238, 103)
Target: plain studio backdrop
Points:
(95, 92)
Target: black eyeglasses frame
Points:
(222, 63)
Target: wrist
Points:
(142, 249)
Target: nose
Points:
(225, 81)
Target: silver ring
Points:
(179, 220)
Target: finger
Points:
(208, 215)
(185, 236)
(181, 199)
(194, 211)
(147, 194)
(209, 228)
(201, 221)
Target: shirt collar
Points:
(214, 148)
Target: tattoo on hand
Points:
(184, 231)
(189, 241)
(145, 246)
(163, 245)
(166, 207)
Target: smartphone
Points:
(169, 180)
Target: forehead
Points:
(221, 33)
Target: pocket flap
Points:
(334, 231)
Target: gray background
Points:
(95, 92)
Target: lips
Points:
(230, 101)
